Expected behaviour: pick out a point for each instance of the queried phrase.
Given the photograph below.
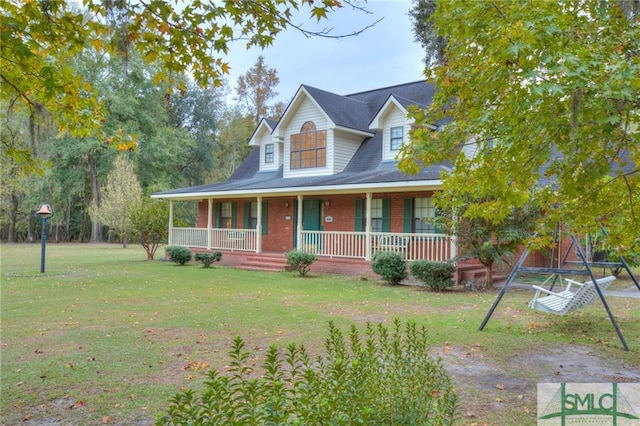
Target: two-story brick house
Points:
(323, 179)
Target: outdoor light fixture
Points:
(45, 212)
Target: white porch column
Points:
(299, 230)
(367, 228)
(259, 227)
(209, 221)
(170, 240)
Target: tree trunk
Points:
(30, 233)
(96, 226)
(489, 276)
(67, 225)
(13, 219)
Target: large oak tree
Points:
(40, 39)
(544, 99)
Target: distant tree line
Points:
(190, 138)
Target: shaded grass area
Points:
(106, 337)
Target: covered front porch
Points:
(357, 245)
(334, 226)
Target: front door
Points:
(311, 221)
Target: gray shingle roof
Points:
(353, 111)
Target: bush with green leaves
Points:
(179, 254)
(390, 266)
(208, 258)
(300, 261)
(379, 377)
(438, 276)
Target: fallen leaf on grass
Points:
(195, 365)
(500, 386)
(75, 405)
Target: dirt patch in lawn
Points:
(485, 384)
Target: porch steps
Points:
(475, 272)
(268, 262)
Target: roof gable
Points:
(290, 111)
(265, 126)
(390, 104)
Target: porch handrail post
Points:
(209, 220)
(259, 226)
(299, 230)
(367, 228)
(170, 239)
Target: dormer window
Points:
(309, 147)
(397, 134)
(268, 153)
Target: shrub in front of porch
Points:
(390, 266)
(380, 376)
(179, 254)
(438, 276)
(300, 261)
(208, 258)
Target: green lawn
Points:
(106, 337)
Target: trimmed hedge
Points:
(208, 258)
(179, 254)
(390, 266)
(436, 275)
(300, 261)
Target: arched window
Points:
(309, 147)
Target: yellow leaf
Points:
(96, 43)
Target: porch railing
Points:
(334, 244)
(435, 247)
(189, 237)
(217, 239)
(234, 239)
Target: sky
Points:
(382, 56)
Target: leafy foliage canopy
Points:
(543, 98)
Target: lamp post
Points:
(45, 212)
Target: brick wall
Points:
(280, 225)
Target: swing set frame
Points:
(567, 267)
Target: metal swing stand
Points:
(587, 271)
